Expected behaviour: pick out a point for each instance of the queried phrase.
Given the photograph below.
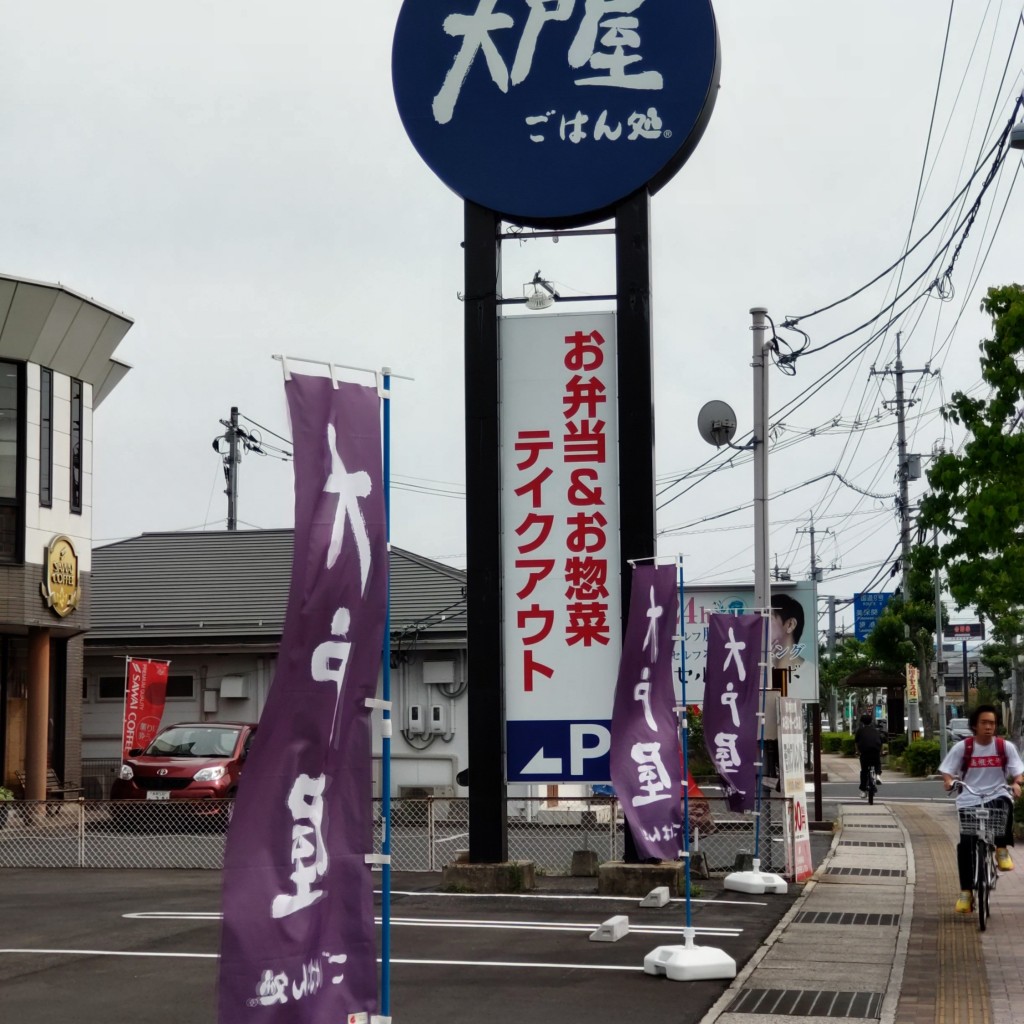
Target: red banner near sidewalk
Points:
(145, 690)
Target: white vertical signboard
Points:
(791, 751)
(561, 606)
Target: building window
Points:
(178, 688)
(76, 445)
(46, 437)
(12, 481)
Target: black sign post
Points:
(503, 108)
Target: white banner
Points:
(791, 754)
(561, 602)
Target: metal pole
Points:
(385, 754)
(762, 587)
(488, 827)
(967, 692)
(913, 710)
(231, 470)
(834, 702)
(635, 403)
(762, 593)
(940, 687)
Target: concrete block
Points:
(611, 930)
(616, 878)
(584, 864)
(508, 876)
(657, 897)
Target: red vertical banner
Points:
(145, 691)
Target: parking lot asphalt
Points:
(102, 946)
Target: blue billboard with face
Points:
(552, 111)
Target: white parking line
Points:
(510, 963)
(564, 896)
(112, 952)
(463, 922)
(408, 962)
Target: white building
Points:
(56, 367)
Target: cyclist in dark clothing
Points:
(868, 741)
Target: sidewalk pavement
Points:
(873, 935)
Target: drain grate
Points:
(869, 872)
(858, 842)
(846, 917)
(801, 1003)
(866, 818)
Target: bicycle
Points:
(872, 781)
(987, 824)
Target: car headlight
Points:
(126, 772)
(210, 774)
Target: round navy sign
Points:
(555, 110)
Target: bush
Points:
(849, 747)
(922, 757)
(832, 742)
(897, 744)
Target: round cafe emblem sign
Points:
(555, 110)
(60, 589)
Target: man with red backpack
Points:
(985, 762)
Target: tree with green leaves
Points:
(977, 498)
(849, 656)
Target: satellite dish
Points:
(716, 423)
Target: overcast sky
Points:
(233, 175)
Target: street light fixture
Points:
(1017, 136)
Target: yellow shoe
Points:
(964, 903)
(1003, 861)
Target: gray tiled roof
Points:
(235, 584)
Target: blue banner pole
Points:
(385, 942)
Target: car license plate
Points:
(158, 794)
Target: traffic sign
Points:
(867, 608)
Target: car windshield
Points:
(194, 741)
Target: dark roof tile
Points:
(235, 584)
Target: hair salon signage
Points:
(555, 110)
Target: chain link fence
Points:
(426, 833)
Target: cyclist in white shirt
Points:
(986, 763)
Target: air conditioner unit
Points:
(439, 673)
(438, 718)
(415, 720)
(234, 688)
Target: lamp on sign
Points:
(542, 295)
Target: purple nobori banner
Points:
(644, 755)
(297, 944)
(732, 684)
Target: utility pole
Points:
(231, 459)
(833, 710)
(903, 473)
(940, 687)
(815, 571)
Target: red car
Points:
(188, 761)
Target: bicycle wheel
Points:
(871, 786)
(982, 866)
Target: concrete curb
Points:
(891, 999)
